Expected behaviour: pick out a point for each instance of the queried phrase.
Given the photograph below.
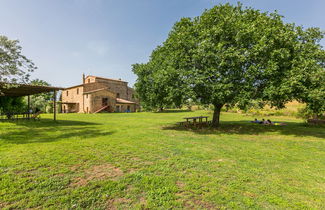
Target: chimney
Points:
(83, 78)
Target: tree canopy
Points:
(234, 55)
(14, 67)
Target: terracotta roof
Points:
(73, 87)
(107, 78)
(123, 101)
(60, 102)
(117, 80)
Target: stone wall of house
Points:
(87, 103)
(120, 88)
(132, 97)
(125, 107)
(90, 79)
(94, 86)
(73, 95)
(96, 100)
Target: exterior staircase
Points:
(101, 109)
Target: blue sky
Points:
(66, 38)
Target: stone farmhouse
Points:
(98, 94)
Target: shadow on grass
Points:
(49, 131)
(247, 128)
(49, 123)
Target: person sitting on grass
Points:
(255, 121)
(268, 122)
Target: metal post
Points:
(28, 112)
(54, 105)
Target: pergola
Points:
(16, 90)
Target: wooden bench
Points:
(196, 124)
(182, 123)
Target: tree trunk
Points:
(216, 115)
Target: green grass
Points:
(140, 160)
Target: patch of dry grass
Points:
(97, 172)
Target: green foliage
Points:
(14, 67)
(156, 87)
(12, 105)
(232, 55)
(41, 101)
(314, 96)
(307, 79)
(308, 113)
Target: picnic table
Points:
(196, 121)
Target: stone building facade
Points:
(98, 94)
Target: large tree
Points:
(233, 55)
(14, 66)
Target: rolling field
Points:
(144, 161)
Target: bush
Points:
(12, 104)
(306, 113)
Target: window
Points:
(87, 110)
(77, 91)
(132, 96)
(117, 95)
(88, 80)
(86, 95)
(67, 93)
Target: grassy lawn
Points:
(140, 160)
